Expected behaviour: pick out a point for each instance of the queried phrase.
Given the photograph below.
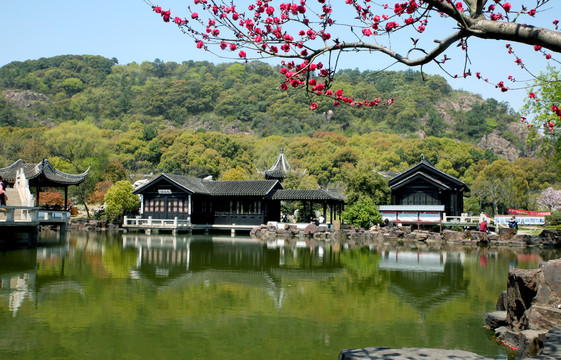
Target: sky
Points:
(130, 31)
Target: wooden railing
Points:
(149, 223)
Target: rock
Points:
(421, 235)
(552, 276)
(407, 353)
(311, 229)
(500, 332)
(521, 289)
(452, 236)
(495, 319)
(551, 348)
(542, 317)
(522, 238)
(502, 302)
(530, 344)
(506, 233)
(499, 145)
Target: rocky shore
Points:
(354, 236)
(528, 313)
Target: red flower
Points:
(178, 20)
(532, 12)
(242, 54)
(313, 106)
(157, 9)
(532, 95)
(548, 56)
(200, 44)
(233, 47)
(194, 15)
(537, 47)
(507, 7)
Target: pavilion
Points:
(40, 176)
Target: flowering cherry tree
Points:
(309, 36)
(550, 199)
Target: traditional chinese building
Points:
(178, 202)
(423, 193)
(41, 176)
(280, 169)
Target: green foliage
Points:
(362, 213)
(204, 95)
(119, 199)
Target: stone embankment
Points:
(354, 236)
(528, 313)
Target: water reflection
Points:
(236, 295)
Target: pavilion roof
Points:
(316, 195)
(280, 168)
(42, 174)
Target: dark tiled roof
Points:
(241, 188)
(420, 174)
(192, 184)
(425, 164)
(318, 195)
(43, 173)
(217, 188)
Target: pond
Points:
(132, 296)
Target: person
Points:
(386, 222)
(321, 219)
(484, 227)
(3, 196)
(512, 223)
(284, 218)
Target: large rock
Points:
(495, 319)
(522, 286)
(531, 343)
(542, 317)
(452, 236)
(387, 353)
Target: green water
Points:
(113, 296)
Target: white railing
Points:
(464, 218)
(53, 215)
(22, 187)
(27, 215)
(149, 223)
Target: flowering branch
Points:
(307, 31)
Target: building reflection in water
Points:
(425, 280)
(18, 274)
(183, 261)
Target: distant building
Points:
(280, 169)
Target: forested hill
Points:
(238, 98)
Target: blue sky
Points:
(129, 31)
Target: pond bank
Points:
(357, 237)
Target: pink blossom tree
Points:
(309, 36)
(550, 199)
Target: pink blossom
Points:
(233, 47)
(200, 44)
(242, 54)
(537, 47)
(507, 7)
(532, 95)
(532, 12)
(313, 106)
